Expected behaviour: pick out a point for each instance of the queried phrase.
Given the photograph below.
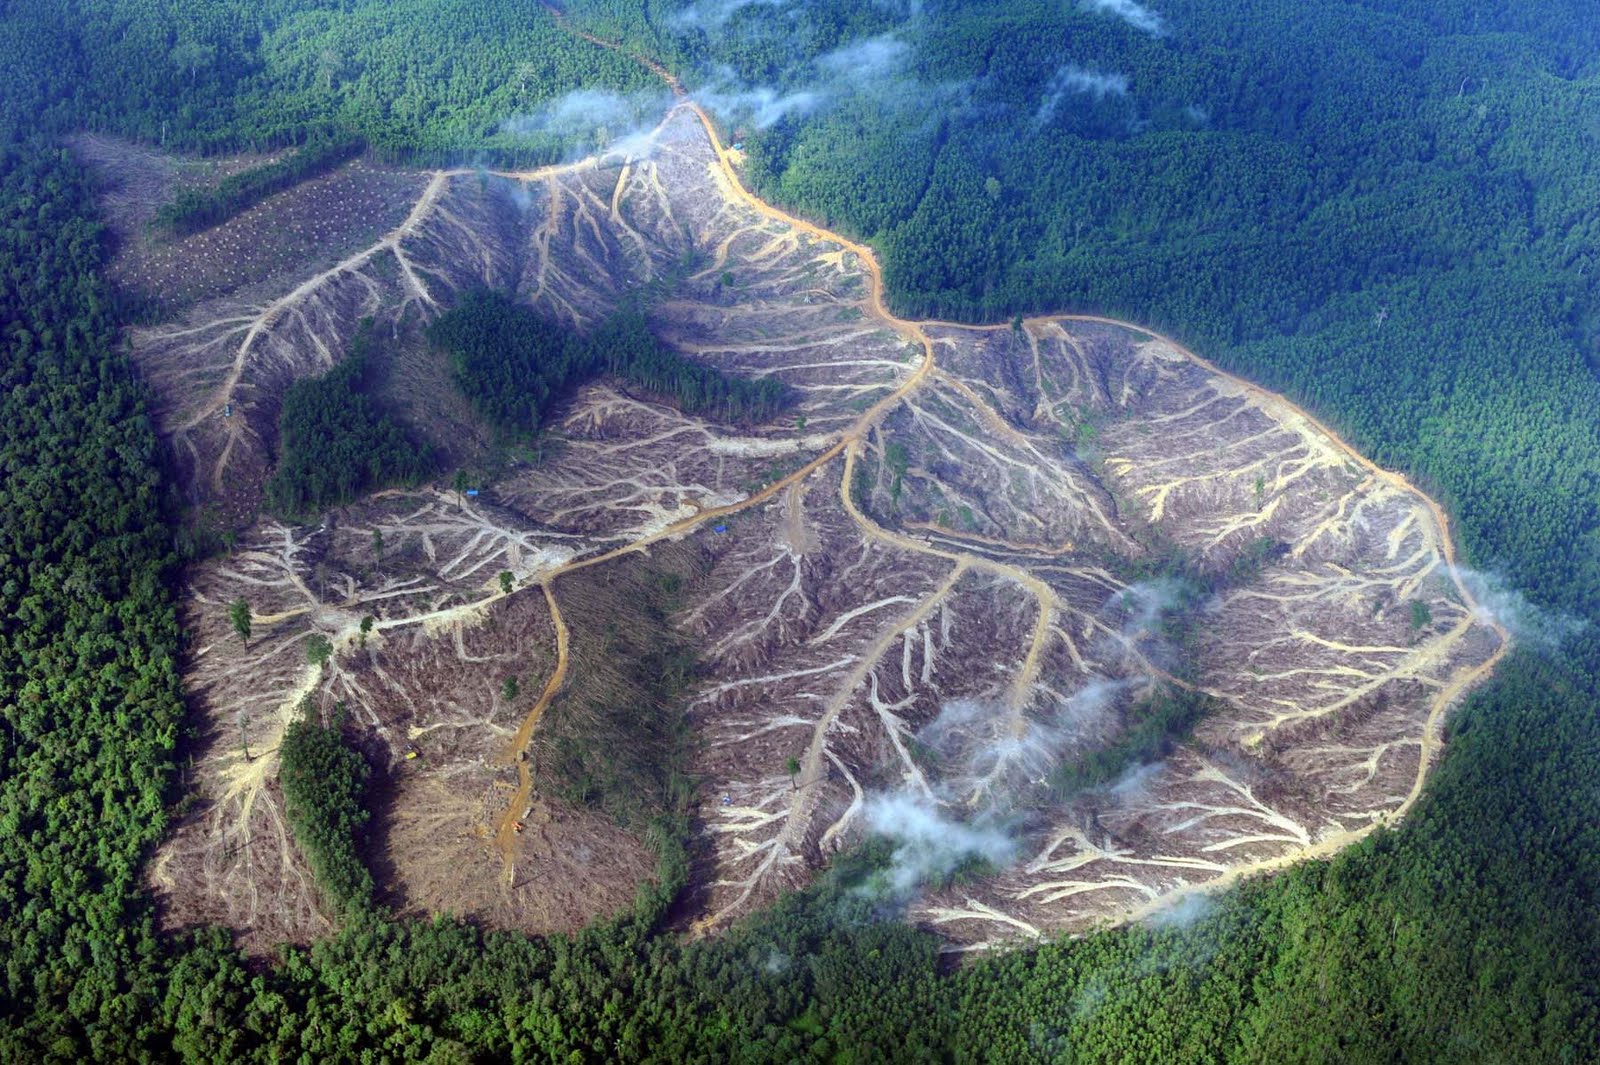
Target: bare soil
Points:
(959, 521)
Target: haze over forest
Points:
(743, 530)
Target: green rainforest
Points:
(1389, 210)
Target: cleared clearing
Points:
(958, 525)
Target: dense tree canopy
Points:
(514, 365)
(432, 80)
(324, 781)
(335, 442)
(89, 701)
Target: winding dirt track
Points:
(506, 830)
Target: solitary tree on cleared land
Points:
(239, 617)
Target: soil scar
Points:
(848, 443)
(505, 836)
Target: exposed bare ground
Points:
(957, 524)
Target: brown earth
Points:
(931, 591)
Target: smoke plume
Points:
(929, 843)
(1497, 601)
(588, 121)
(992, 763)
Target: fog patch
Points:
(1086, 707)
(1181, 943)
(868, 61)
(712, 14)
(875, 68)
(1089, 997)
(1146, 604)
(1132, 12)
(1073, 80)
(991, 758)
(519, 192)
(758, 106)
(992, 764)
(1133, 785)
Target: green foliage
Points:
(318, 649)
(509, 362)
(324, 781)
(896, 458)
(514, 365)
(1421, 615)
(1152, 730)
(239, 617)
(90, 706)
(337, 443)
(1467, 936)
(1431, 943)
(198, 209)
(625, 348)
(430, 81)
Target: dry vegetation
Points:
(925, 581)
